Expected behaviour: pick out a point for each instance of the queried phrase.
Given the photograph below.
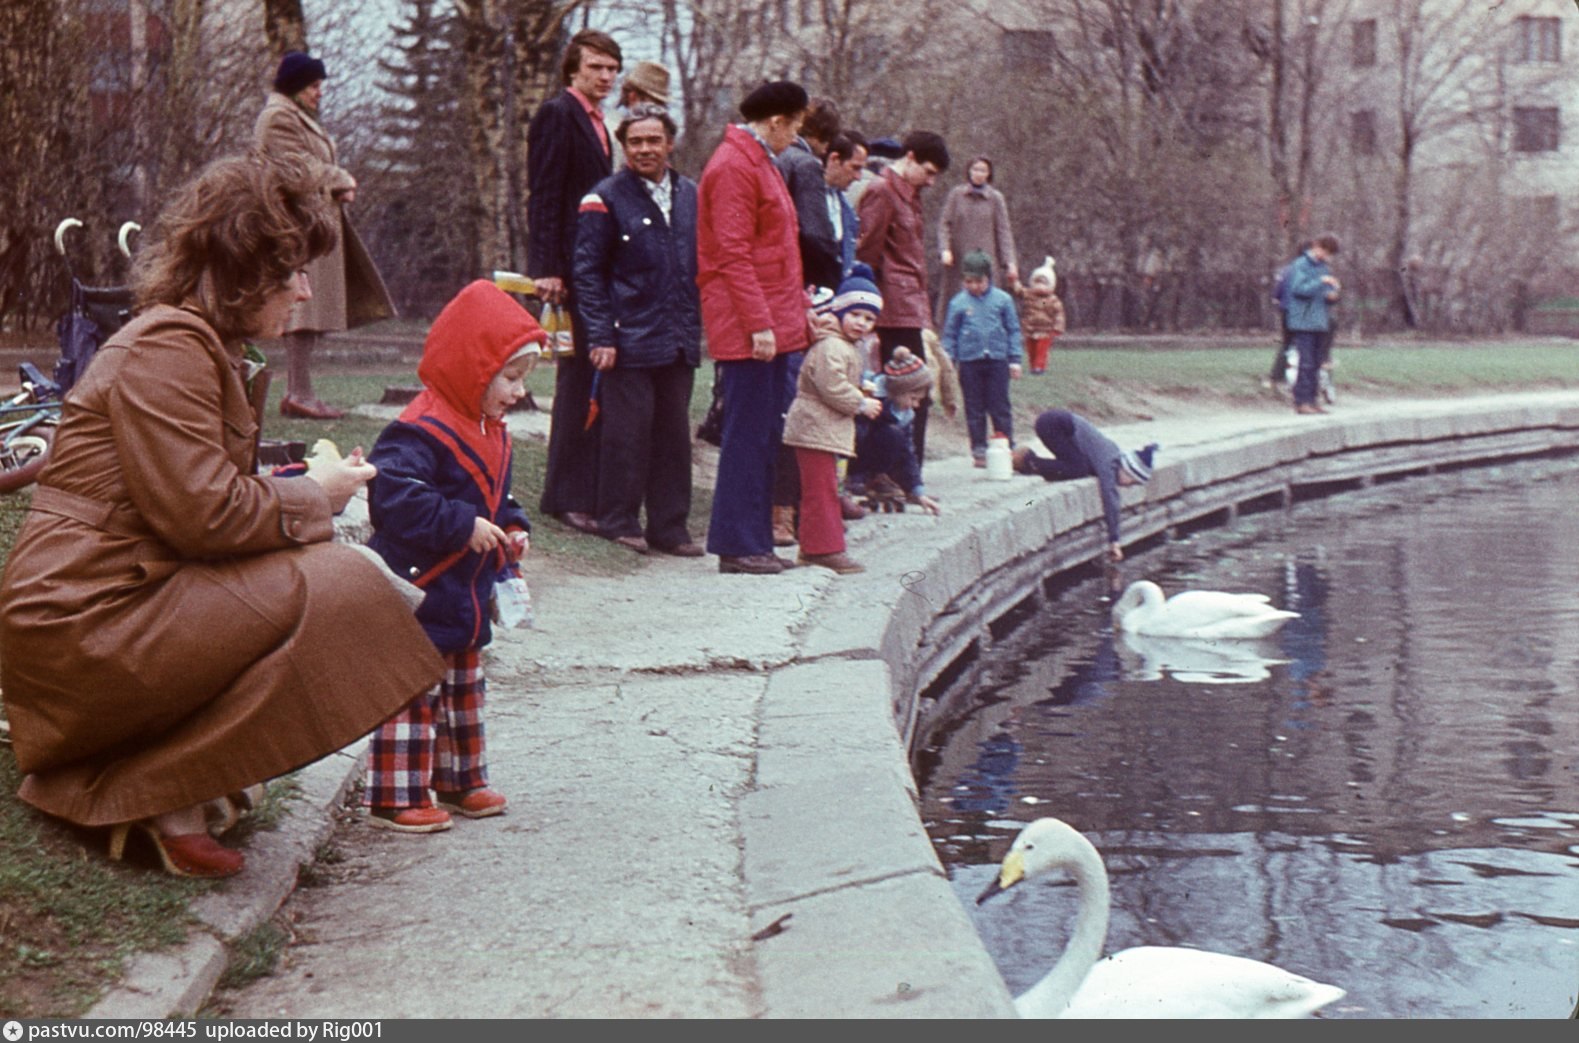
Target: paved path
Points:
(628, 729)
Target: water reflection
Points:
(1195, 661)
(1311, 799)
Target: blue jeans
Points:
(1308, 344)
(742, 520)
(984, 384)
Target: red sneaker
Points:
(410, 820)
(479, 803)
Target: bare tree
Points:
(285, 25)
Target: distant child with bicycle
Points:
(443, 517)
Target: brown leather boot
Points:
(839, 562)
(783, 526)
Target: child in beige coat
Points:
(821, 421)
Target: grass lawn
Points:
(68, 918)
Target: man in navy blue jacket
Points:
(568, 151)
(635, 278)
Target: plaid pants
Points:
(436, 742)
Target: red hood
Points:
(471, 340)
(478, 331)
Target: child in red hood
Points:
(443, 517)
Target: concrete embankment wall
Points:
(831, 834)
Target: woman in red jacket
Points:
(754, 311)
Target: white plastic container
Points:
(1000, 459)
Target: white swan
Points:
(1196, 613)
(1145, 982)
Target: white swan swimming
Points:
(1144, 982)
(1196, 613)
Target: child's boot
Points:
(410, 820)
(478, 803)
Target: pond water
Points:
(1384, 795)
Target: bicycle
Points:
(27, 428)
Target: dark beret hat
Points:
(298, 71)
(779, 98)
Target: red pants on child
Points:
(821, 522)
(435, 743)
(1037, 349)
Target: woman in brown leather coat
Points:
(174, 627)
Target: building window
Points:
(1535, 129)
(1362, 132)
(1362, 51)
(1540, 40)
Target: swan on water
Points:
(1144, 982)
(1196, 613)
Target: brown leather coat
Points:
(347, 289)
(173, 627)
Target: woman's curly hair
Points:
(234, 234)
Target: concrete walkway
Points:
(695, 759)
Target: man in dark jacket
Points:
(568, 151)
(1081, 451)
(635, 279)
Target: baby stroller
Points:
(95, 314)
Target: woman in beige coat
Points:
(173, 627)
(347, 289)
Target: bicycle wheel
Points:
(27, 454)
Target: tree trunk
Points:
(482, 107)
(285, 26)
(536, 28)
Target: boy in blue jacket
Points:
(981, 333)
(443, 517)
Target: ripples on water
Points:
(1385, 795)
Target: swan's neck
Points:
(1050, 996)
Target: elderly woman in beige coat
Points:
(347, 289)
(175, 628)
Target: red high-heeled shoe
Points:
(191, 854)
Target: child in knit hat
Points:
(885, 453)
(1041, 315)
(981, 334)
(1081, 451)
(821, 421)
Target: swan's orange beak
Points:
(1010, 873)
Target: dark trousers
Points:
(883, 450)
(1280, 359)
(889, 338)
(1056, 429)
(742, 519)
(786, 471)
(1308, 343)
(644, 454)
(984, 384)
(570, 480)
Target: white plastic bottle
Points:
(1000, 459)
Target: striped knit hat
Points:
(857, 290)
(1138, 463)
(905, 372)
